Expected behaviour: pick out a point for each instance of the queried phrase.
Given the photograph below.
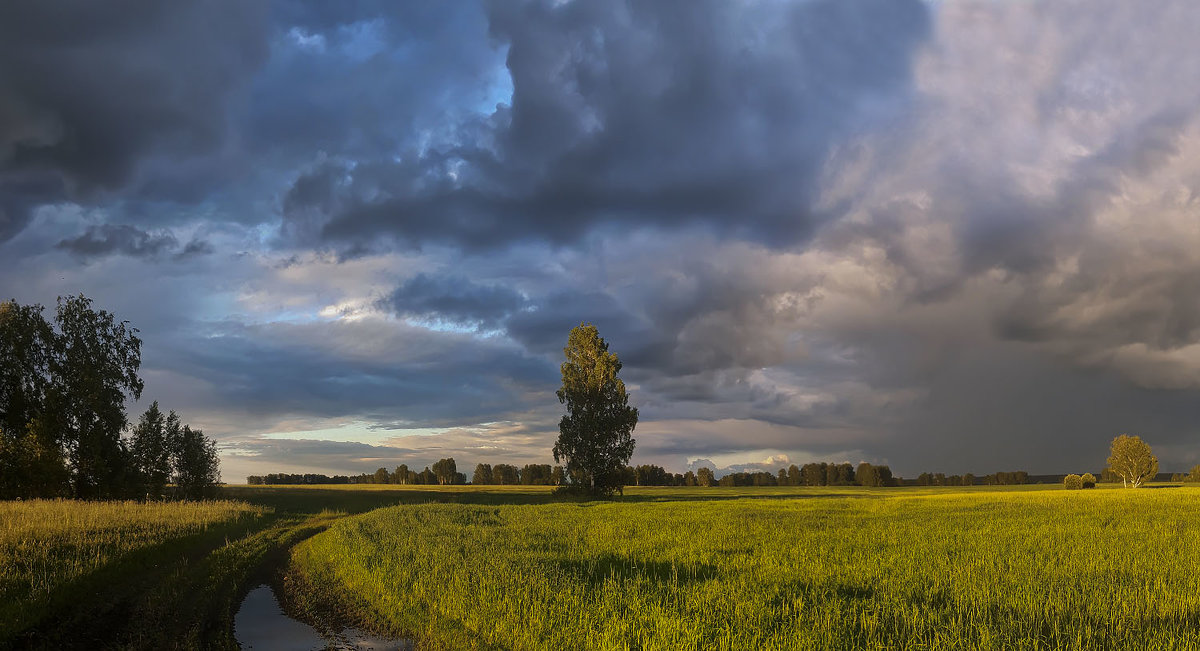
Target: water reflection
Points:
(260, 624)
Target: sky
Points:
(955, 236)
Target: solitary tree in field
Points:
(595, 436)
(1132, 461)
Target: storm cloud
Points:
(949, 236)
(756, 97)
(91, 94)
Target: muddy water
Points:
(260, 624)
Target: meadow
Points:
(158, 575)
(52, 549)
(660, 568)
(810, 569)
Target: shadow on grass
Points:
(108, 607)
(352, 500)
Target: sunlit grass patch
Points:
(902, 569)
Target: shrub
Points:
(1089, 480)
(1072, 482)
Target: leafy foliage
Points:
(445, 471)
(197, 468)
(63, 390)
(595, 438)
(1132, 460)
(150, 447)
(94, 369)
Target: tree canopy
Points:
(63, 389)
(595, 438)
(1132, 461)
(445, 470)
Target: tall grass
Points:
(930, 570)
(48, 545)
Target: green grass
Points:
(134, 575)
(49, 548)
(809, 569)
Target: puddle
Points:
(260, 624)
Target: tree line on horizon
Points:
(63, 425)
(810, 474)
(544, 474)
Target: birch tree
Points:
(1132, 461)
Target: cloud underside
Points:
(953, 236)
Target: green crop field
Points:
(808, 569)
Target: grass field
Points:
(127, 575)
(660, 568)
(46, 546)
(809, 569)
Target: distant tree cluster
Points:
(63, 388)
(532, 474)
(281, 478)
(443, 472)
(1014, 478)
(1191, 476)
(652, 475)
(758, 478)
(941, 479)
(810, 474)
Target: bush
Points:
(1072, 482)
(1089, 480)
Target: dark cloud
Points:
(90, 92)
(544, 328)
(454, 300)
(755, 97)
(952, 236)
(394, 373)
(365, 80)
(107, 239)
(113, 239)
(195, 248)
